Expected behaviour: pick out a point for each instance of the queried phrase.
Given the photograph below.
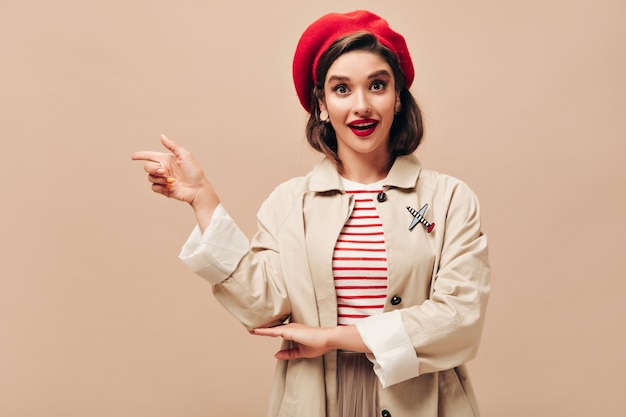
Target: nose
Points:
(362, 105)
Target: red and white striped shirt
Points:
(360, 258)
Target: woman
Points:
(377, 307)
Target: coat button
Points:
(385, 413)
(395, 300)
(381, 197)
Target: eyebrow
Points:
(375, 74)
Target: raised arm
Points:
(176, 174)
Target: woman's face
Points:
(360, 97)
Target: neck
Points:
(366, 170)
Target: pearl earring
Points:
(324, 116)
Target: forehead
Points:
(358, 64)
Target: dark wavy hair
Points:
(407, 129)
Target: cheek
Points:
(390, 108)
(336, 109)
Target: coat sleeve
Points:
(214, 254)
(246, 278)
(444, 331)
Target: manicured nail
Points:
(171, 180)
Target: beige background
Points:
(524, 100)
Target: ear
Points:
(398, 105)
(321, 103)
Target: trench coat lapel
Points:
(326, 209)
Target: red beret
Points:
(322, 33)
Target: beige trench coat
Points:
(442, 278)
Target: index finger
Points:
(147, 156)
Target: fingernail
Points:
(168, 186)
(171, 180)
(160, 171)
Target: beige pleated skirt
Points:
(357, 385)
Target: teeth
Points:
(362, 125)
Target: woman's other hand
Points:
(313, 342)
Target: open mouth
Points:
(363, 127)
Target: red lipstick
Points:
(363, 127)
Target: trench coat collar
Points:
(403, 174)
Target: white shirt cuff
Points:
(393, 354)
(214, 254)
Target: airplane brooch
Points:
(418, 217)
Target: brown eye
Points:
(341, 89)
(378, 86)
